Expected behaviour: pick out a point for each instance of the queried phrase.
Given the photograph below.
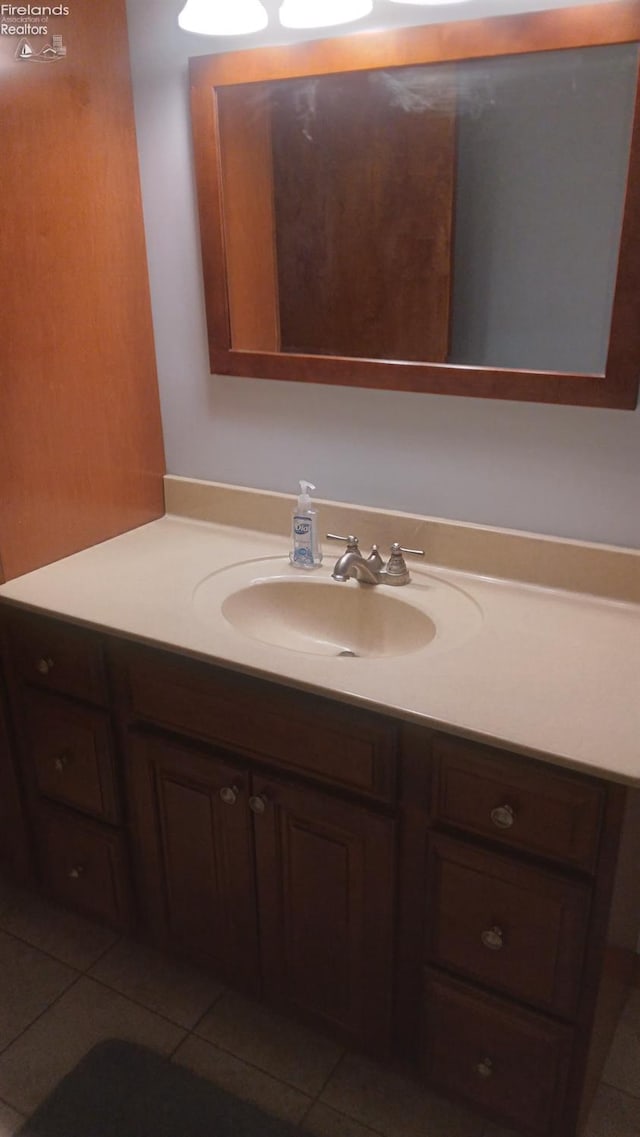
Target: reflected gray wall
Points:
(543, 144)
(559, 470)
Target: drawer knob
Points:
(76, 872)
(44, 665)
(229, 794)
(485, 1068)
(503, 816)
(62, 761)
(258, 803)
(493, 938)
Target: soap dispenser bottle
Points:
(305, 546)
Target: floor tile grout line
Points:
(625, 1093)
(214, 1003)
(172, 1053)
(43, 951)
(347, 1116)
(332, 1071)
(135, 1002)
(3, 1050)
(106, 951)
(246, 1062)
(13, 1109)
(49, 1006)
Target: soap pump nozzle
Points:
(304, 499)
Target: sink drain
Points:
(352, 654)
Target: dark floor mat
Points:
(123, 1090)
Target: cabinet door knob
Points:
(44, 665)
(258, 803)
(76, 872)
(493, 938)
(229, 794)
(62, 761)
(485, 1068)
(503, 816)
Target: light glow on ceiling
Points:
(322, 13)
(223, 17)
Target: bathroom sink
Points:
(328, 619)
(269, 602)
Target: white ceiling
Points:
(384, 15)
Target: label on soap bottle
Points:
(302, 541)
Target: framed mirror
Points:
(451, 208)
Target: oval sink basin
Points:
(270, 602)
(325, 618)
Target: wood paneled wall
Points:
(81, 453)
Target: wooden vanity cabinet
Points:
(468, 912)
(64, 733)
(227, 840)
(520, 912)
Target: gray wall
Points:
(563, 471)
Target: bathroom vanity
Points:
(424, 892)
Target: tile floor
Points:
(66, 984)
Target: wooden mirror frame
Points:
(614, 22)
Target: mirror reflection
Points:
(465, 213)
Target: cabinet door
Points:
(325, 893)
(194, 855)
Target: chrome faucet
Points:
(371, 570)
(353, 564)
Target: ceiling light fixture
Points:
(223, 17)
(322, 13)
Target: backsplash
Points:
(576, 566)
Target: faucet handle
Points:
(352, 542)
(396, 549)
(396, 571)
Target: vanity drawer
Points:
(518, 929)
(331, 742)
(510, 1062)
(72, 754)
(517, 802)
(84, 865)
(58, 656)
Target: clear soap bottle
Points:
(305, 545)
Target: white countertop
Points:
(546, 672)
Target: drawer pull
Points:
(62, 761)
(229, 794)
(76, 873)
(44, 665)
(503, 816)
(493, 938)
(258, 803)
(485, 1068)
